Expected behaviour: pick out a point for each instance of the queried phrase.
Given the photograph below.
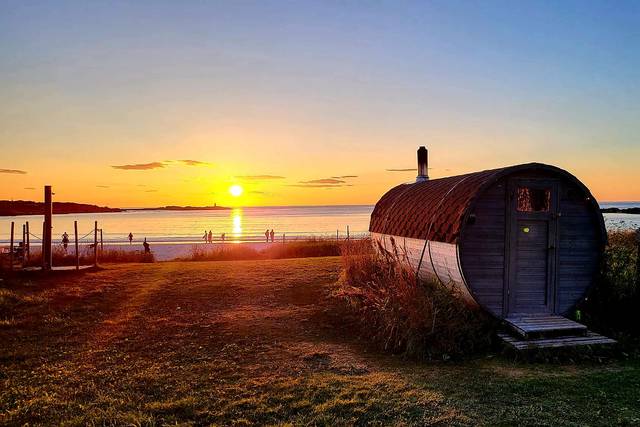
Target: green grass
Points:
(255, 343)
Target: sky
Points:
(137, 104)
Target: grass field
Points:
(257, 342)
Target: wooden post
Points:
(48, 227)
(283, 238)
(28, 243)
(75, 230)
(44, 225)
(11, 249)
(24, 244)
(347, 232)
(95, 244)
(101, 243)
(337, 236)
(638, 257)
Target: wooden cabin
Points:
(523, 242)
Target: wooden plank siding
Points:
(579, 248)
(482, 252)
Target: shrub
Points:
(416, 318)
(230, 251)
(611, 306)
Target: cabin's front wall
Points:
(482, 253)
(484, 247)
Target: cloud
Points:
(102, 186)
(320, 185)
(14, 171)
(141, 166)
(403, 170)
(259, 177)
(194, 163)
(344, 176)
(150, 191)
(330, 181)
(29, 188)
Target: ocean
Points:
(238, 224)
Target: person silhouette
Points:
(204, 236)
(266, 234)
(210, 237)
(272, 236)
(147, 248)
(222, 236)
(130, 238)
(65, 240)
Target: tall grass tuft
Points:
(60, 257)
(416, 318)
(612, 305)
(229, 252)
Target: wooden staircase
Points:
(548, 331)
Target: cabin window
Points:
(533, 199)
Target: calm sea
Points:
(240, 224)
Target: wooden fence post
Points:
(95, 244)
(44, 265)
(75, 231)
(101, 243)
(347, 232)
(283, 238)
(638, 257)
(11, 249)
(337, 235)
(24, 244)
(28, 244)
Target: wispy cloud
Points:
(14, 171)
(320, 185)
(259, 177)
(103, 186)
(150, 191)
(29, 188)
(330, 181)
(344, 176)
(402, 170)
(194, 163)
(140, 166)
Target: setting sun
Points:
(235, 190)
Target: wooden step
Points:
(590, 338)
(529, 327)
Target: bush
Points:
(230, 251)
(612, 305)
(405, 315)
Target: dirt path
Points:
(237, 343)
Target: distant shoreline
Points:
(26, 207)
(632, 211)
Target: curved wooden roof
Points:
(436, 209)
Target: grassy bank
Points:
(254, 343)
(302, 249)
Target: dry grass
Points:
(417, 318)
(230, 252)
(61, 257)
(256, 343)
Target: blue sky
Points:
(307, 90)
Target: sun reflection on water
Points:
(236, 218)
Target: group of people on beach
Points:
(270, 234)
(65, 242)
(208, 237)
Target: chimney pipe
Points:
(423, 165)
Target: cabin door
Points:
(532, 239)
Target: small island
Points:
(633, 211)
(27, 207)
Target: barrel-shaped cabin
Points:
(518, 241)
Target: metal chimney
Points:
(423, 165)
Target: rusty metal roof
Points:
(436, 209)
